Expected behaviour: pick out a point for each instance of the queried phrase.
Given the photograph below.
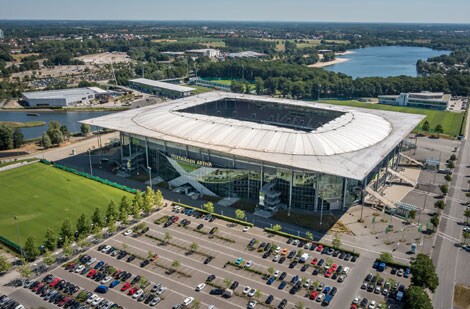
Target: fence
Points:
(86, 175)
(10, 244)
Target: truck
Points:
(228, 293)
(304, 257)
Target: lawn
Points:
(41, 197)
(450, 121)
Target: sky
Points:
(414, 11)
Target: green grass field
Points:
(450, 121)
(42, 197)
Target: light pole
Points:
(89, 159)
(321, 205)
(150, 175)
(18, 234)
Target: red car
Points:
(314, 295)
(320, 248)
(328, 273)
(132, 291)
(54, 282)
(63, 301)
(37, 287)
(314, 261)
(334, 267)
(175, 219)
(91, 273)
(71, 265)
(125, 286)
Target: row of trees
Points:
(56, 134)
(10, 138)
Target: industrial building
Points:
(280, 153)
(60, 98)
(204, 52)
(160, 88)
(425, 99)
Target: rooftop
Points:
(339, 140)
(162, 85)
(61, 93)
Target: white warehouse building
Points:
(59, 98)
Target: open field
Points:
(17, 124)
(42, 196)
(19, 57)
(208, 42)
(450, 121)
(105, 58)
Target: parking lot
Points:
(183, 255)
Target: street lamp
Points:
(89, 159)
(150, 175)
(18, 234)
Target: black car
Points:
(282, 304)
(252, 242)
(341, 255)
(234, 285)
(282, 276)
(130, 258)
(168, 223)
(149, 299)
(135, 280)
(315, 272)
(212, 219)
(292, 264)
(301, 243)
(333, 291)
(207, 260)
(354, 259)
(347, 257)
(121, 255)
(368, 277)
(282, 259)
(262, 245)
(291, 254)
(214, 230)
(394, 271)
(210, 278)
(293, 290)
(144, 263)
(216, 292)
(200, 226)
(364, 303)
(289, 240)
(268, 248)
(269, 299)
(304, 267)
(266, 254)
(335, 254)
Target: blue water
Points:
(384, 61)
(70, 119)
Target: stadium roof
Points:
(162, 85)
(350, 145)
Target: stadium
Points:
(281, 153)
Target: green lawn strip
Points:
(27, 124)
(42, 197)
(450, 121)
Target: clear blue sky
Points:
(438, 11)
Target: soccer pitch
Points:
(41, 197)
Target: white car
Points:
(128, 232)
(79, 268)
(295, 242)
(246, 228)
(372, 304)
(278, 250)
(138, 293)
(91, 298)
(276, 273)
(276, 258)
(249, 264)
(246, 290)
(252, 304)
(155, 301)
(97, 301)
(346, 270)
(320, 297)
(356, 300)
(106, 279)
(91, 261)
(161, 289)
(188, 301)
(252, 293)
(307, 283)
(200, 287)
(106, 249)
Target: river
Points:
(69, 118)
(384, 61)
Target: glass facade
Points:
(224, 175)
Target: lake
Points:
(384, 61)
(70, 119)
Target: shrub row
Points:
(254, 271)
(395, 264)
(284, 234)
(229, 219)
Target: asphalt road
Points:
(446, 255)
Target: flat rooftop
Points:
(161, 85)
(57, 94)
(340, 140)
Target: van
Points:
(101, 289)
(228, 293)
(304, 257)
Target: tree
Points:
(6, 138)
(435, 222)
(148, 201)
(167, 237)
(67, 249)
(466, 236)
(83, 226)
(18, 138)
(466, 214)
(440, 204)
(111, 225)
(209, 207)
(336, 242)
(46, 141)
(65, 132)
(300, 305)
(439, 129)
(271, 270)
(309, 235)
(194, 246)
(277, 228)
(444, 189)
(258, 294)
(451, 164)
(237, 86)
(125, 204)
(56, 136)
(97, 219)
(453, 157)
(417, 298)
(424, 273)
(4, 264)
(175, 264)
(386, 257)
(83, 243)
(30, 248)
(24, 270)
(426, 126)
(412, 214)
(259, 85)
(123, 217)
(85, 129)
(239, 214)
(196, 304)
(137, 204)
(158, 198)
(66, 230)
(49, 258)
(50, 241)
(111, 211)
(228, 282)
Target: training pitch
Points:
(41, 197)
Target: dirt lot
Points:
(105, 58)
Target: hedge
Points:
(284, 234)
(394, 264)
(229, 219)
(86, 175)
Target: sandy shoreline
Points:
(336, 61)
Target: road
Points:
(446, 255)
